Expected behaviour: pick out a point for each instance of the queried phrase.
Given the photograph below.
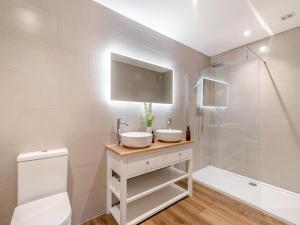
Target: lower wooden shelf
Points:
(145, 184)
(144, 207)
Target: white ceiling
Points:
(210, 26)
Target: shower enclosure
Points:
(233, 143)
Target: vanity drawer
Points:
(173, 156)
(156, 161)
(135, 166)
(142, 164)
(186, 154)
(178, 155)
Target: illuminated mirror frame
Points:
(200, 94)
(147, 62)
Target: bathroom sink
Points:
(136, 139)
(169, 135)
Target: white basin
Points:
(169, 135)
(136, 139)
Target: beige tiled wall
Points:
(260, 137)
(54, 73)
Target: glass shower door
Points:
(234, 131)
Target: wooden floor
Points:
(206, 207)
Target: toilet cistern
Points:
(42, 189)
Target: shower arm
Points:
(218, 64)
(261, 59)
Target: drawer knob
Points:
(147, 162)
(179, 154)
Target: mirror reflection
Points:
(139, 81)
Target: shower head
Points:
(212, 65)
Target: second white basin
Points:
(169, 135)
(136, 139)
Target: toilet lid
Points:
(52, 210)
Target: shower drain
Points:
(252, 184)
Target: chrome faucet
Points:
(169, 123)
(119, 124)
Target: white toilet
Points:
(42, 189)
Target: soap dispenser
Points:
(188, 133)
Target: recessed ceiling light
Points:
(247, 33)
(263, 49)
(195, 2)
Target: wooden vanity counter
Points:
(158, 145)
(145, 180)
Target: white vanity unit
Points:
(143, 181)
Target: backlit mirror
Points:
(213, 93)
(138, 81)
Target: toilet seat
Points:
(52, 210)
